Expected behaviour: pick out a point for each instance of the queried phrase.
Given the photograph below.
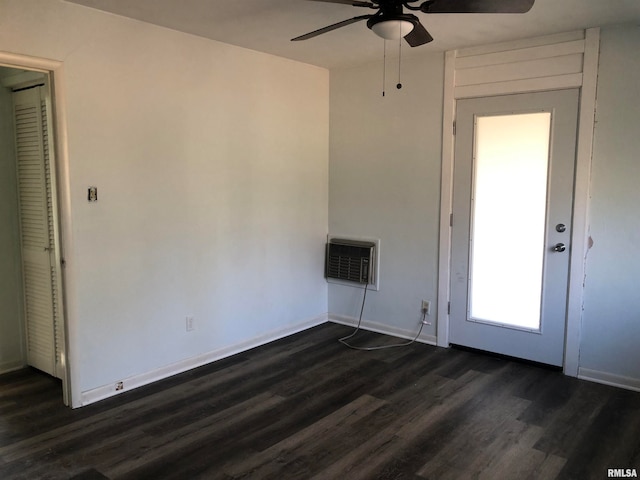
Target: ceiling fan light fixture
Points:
(392, 29)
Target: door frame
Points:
(60, 168)
(587, 82)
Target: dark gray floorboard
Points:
(306, 407)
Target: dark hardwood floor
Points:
(306, 407)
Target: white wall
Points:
(384, 182)
(611, 322)
(211, 167)
(11, 344)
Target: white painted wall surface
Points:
(211, 163)
(11, 300)
(611, 322)
(384, 182)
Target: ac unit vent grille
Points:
(350, 260)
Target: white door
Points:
(44, 326)
(513, 196)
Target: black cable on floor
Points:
(343, 340)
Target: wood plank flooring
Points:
(306, 407)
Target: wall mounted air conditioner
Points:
(352, 261)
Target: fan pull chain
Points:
(384, 65)
(399, 85)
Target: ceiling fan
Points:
(390, 21)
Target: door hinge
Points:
(451, 219)
(454, 127)
(448, 308)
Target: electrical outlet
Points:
(189, 324)
(426, 307)
(119, 386)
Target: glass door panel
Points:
(509, 198)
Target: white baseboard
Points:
(106, 391)
(7, 367)
(382, 328)
(620, 381)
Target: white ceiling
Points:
(268, 25)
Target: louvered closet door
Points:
(43, 327)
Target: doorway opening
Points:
(496, 70)
(32, 331)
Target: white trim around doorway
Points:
(56, 71)
(571, 60)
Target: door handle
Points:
(559, 247)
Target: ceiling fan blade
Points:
(353, 3)
(418, 36)
(326, 29)
(477, 6)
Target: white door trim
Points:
(587, 81)
(580, 237)
(56, 71)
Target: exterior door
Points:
(513, 197)
(41, 276)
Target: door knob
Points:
(559, 247)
